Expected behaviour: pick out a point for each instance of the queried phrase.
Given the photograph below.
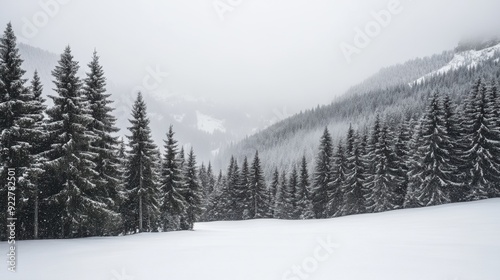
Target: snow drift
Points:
(447, 242)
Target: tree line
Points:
(74, 177)
(451, 153)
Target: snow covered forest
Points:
(76, 178)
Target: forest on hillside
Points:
(359, 108)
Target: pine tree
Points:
(304, 205)
(322, 176)
(193, 195)
(174, 205)
(104, 144)
(142, 206)
(353, 188)
(259, 207)
(73, 205)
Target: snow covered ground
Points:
(449, 242)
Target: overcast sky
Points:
(249, 51)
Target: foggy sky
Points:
(264, 53)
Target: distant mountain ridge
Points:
(387, 93)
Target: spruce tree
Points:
(104, 144)
(142, 206)
(213, 209)
(291, 204)
(73, 205)
(494, 120)
(193, 194)
(353, 188)
(372, 147)
(233, 183)
(415, 165)
(14, 106)
(223, 202)
(182, 158)
(259, 207)
(335, 194)
(483, 143)
(402, 155)
(304, 205)
(273, 191)
(18, 137)
(211, 179)
(280, 210)
(436, 172)
(203, 177)
(121, 155)
(382, 184)
(38, 136)
(322, 176)
(454, 148)
(242, 190)
(174, 205)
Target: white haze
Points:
(265, 54)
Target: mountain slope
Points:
(454, 241)
(284, 143)
(468, 59)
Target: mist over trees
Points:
(360, 107)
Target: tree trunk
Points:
(140, 195)
(35, 234)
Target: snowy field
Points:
(450, 242)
